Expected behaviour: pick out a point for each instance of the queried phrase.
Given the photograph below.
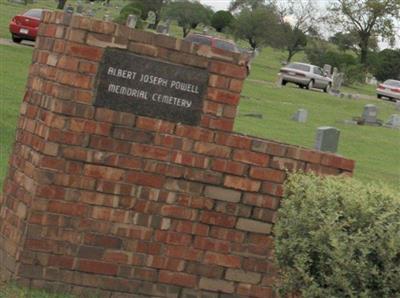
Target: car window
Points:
(392, 83)
(318, 71)
(299, 66)
(226, 45)
(34, 13)
(198, 39)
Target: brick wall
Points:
(118, 203)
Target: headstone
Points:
(79, 7)
(369, 114)
(394, 121)
(337, 81)
(163, 29)
(300, 116)
(131, 21)
(205, 30)
(69, 9)
(397, 105)
(328, 69)
(327, 139)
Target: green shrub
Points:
(126, 11)
(354, 74)
(336, 237)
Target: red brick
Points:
(219, 219)
(195, 133)
(145, 179)
(190, 159)
(148, 151)
(179, 279)
(87, 67)
(73, 209)
(287, 164)
(178, 212)
(228, 69)
(242, 183)
(213, 108)
(103, 241)
(109, 144)
(83, 51)
(222, 260)
(236, 85)
(68, 63)
(275, 189)
(259, 200)
(226, 166)
(304, 155)
(249, 157)
(74, 79)
(267, 174)
(65, 262)
(221, 124)
(97, 267)
(337, 162)
(217, 81)
(102, 172)
(269, 147)
(132, 135)
(254, 291)
(173, 238)
(157, 125)
(208, 177)
(183, 252)
(227, 234)
(116, 257)
(212, 149)
(161, 262)
(223, 96)
(236, 141)
(52, 163)
(206, 243)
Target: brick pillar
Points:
(118, 203)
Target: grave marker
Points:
(369, 114)
(327, 139)
(300, 116)
(393, 122)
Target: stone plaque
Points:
(148, 87)
(370, 113)
(300, 116)
(327, 139)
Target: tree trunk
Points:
(61, 4)
(364, 39)
(290, 55)
(252, 43)
(185, 31)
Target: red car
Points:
(25, 26)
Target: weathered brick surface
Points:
(130, 206)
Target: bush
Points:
(354, 74)
(336, 237)
(387, 65)
(221, 20)
(126, 11)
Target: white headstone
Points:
(370, 113)
(394, 121)
(328, 69)
(300, 116)
(327, 139)
(131, 21)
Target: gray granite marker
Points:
(327, 139)
(369, 114)
(300, 116)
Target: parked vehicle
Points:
(389, 89)
(25, 26)
(216, 42)
(305, 75)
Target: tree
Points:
(349, 41)
(366, 18)
(61, 4)
(145, 6)
(188, 14)
(259, 26)
(237, 5)
(293, 39)
(298, 19)
(221, 19)
(387, 65)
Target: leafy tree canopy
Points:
(221, 20)
(188, 14)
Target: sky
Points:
(224, 4)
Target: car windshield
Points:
(298, 66)
(34, 13)
(198, 39)
(392, 83)
(226, 45)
